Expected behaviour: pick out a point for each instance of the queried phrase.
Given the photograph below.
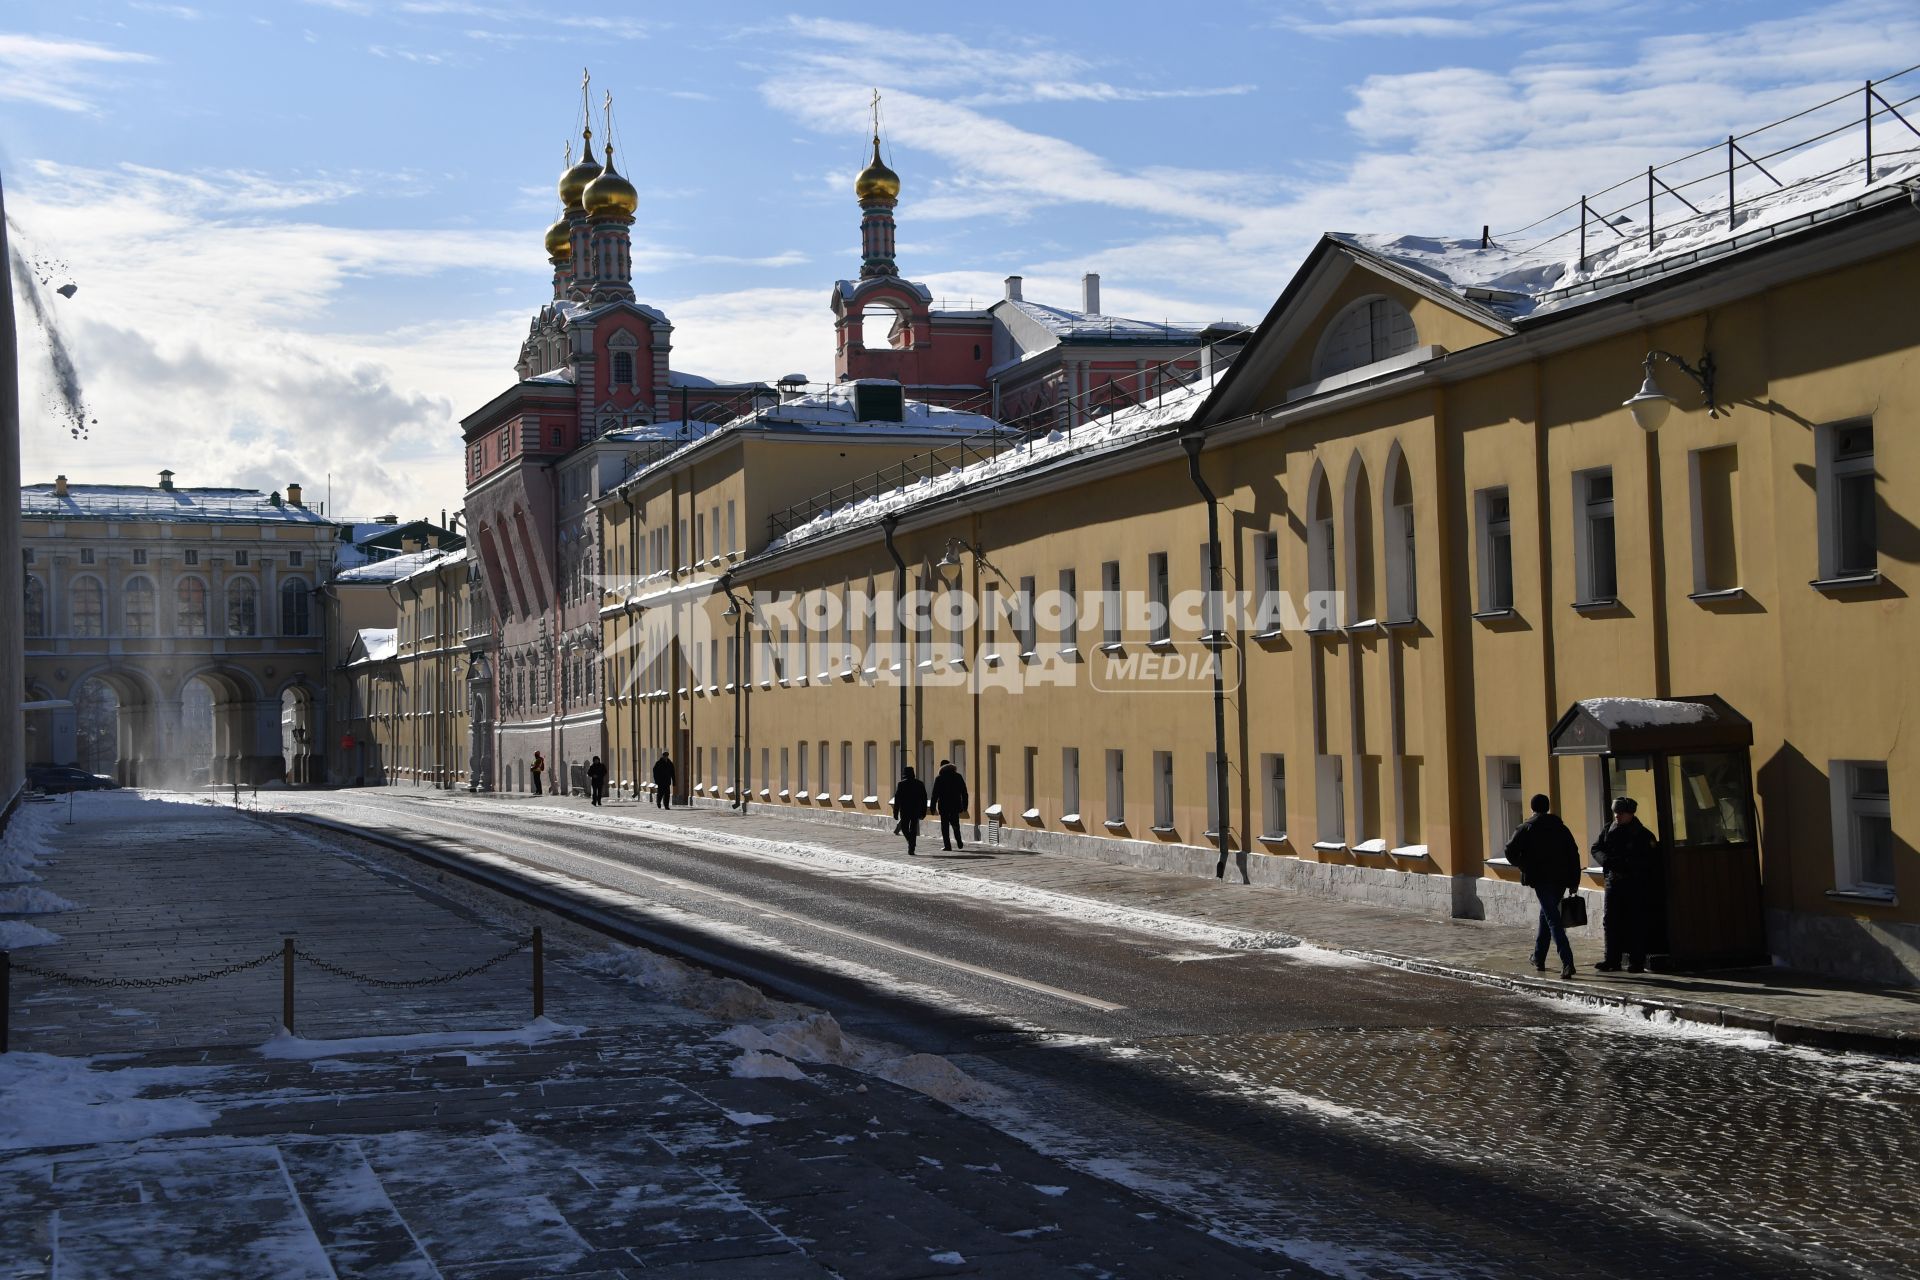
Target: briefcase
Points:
(1573, 912)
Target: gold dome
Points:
(610, 194)
(560, 240)
(573, 183)
(876, 179)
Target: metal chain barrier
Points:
(438, 980)
(175, 980)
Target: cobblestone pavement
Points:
(629, 1148)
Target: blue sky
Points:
(307, 235)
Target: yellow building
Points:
(1438, 528)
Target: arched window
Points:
(35, 617)
(294, 605)
(88, 603)
(243, 608)
(1358, 527)
(190, 607)
(1371, 329)
(137, 607)
(623, 368)
(1403, 597)
(1320, 571)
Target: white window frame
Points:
(1403, 570)
(1595, 556)
(1273, 777)
(1496, 545)
(1385, 324)
(1850, 806)
(1833, 505)
(1266, 551)
(1506, 802)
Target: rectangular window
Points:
(86, 556)
(296, 558)
(1163, 791)
(786, 764)
(1597, 573)
(1110, 606)
(1023, 615)
(733, 661)
(713, 531)
(1496, 550)
(139, 556)
(1715, 476)
(1159, 613)
(1030, 779)
(1070, 783)
(957, 752)
(803, 768)
(1273, 812)
(1403, 563)
(1849, 542)
(846, 772)
(191, 556)
(1506, 802)
(1212, 785)
(871, 762)
(732, 530)
(699, 768)
(1266, 550)
(1330, 800)
(990, 619)
(1210, 614)
(826, 776)
(993, 778)
(1862, 826)
(1069, 612)
(240, 559)
(1116, 788)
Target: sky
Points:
(306, 234)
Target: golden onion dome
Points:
(560, 240)
(610, 194)
(573, 183)
(876, 179)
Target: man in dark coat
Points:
(539, 771)
(949, 801)
(663, 781)
(1549, 860)
(909, 806)
(1631, 857)
(597, 779)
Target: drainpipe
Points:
(887, 526)
(626, 606)
(1193, 444)
(633, 712)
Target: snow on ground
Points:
(27, 900)
(28, 839)
(295, 1048)
(755, 1065)
(931, 878)
(53, 1101)
(18, 934)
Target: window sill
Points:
(846, 799)
(1274, 636)
(1115, 824)
(1028, 655)
(1324, 631)
(1114, 646)
(1161, 644)
(1597, 606)
(1031, 815)
(1159, 830)
(867, 799)
(1071, 820)
(784, 794)
(1499, 862)
(1869, 897)
(1411, 853)
(765, 794)
(925, 664)
(822, 797)
(1216, 640)
(1400, 624)
(991, 659)
(1851, 582)
(766, 684)
(1330, 846)
(1069, 653)
(1724, 593)
(1494, 615)
(713, 689)
(1364, 625)
(994, 811)
(784, 683)
(1273, 841)
(824, 677)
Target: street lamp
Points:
(1650, 405)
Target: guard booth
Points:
(1688, 762)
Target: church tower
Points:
(878, 190)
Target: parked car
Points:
(60, 778)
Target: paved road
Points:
(1379, 1122)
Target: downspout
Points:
(626, 607)
(1192, 444)
(633, 713)
(888, 524)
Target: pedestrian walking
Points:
(538, 768)
(1631, 857)
(597, 779)
(1549, 860)
(950, 802)
(663, 781)
(909, 806)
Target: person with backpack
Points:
(950, 802)
(909, 807)
(1549, 860)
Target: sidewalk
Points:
(643, 1127)
(1793, 1007)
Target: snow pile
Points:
(26, 900)
(1644, 713)
(756, 1065)
(18, 934)
(817, 1037)
(723, 999)
(56, 1102)
(294, 1048)
(27, 841)
(1162, 412)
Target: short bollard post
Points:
(539, 973)
(286, 984)
(6, 995)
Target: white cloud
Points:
(54, 72)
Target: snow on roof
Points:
(1518, 282)
(1172, 409)
(1644, 713)
(677, 378)
(150, 502)
(561, 375)
(380, 643)
(675, 429)
(1083, 326)
(833, 410)
(394, 568)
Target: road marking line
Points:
(995, 975)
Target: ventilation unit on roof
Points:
(878, 401)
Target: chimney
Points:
(1013, 289)
(433, 541)
(388, 519)
(293, 494)
(1090, 293)
(59, 486)
(166, 481)
(409, 545)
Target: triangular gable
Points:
(1308, 304)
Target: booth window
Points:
(1862, 825)
(1848, 543)
(1710, 798)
